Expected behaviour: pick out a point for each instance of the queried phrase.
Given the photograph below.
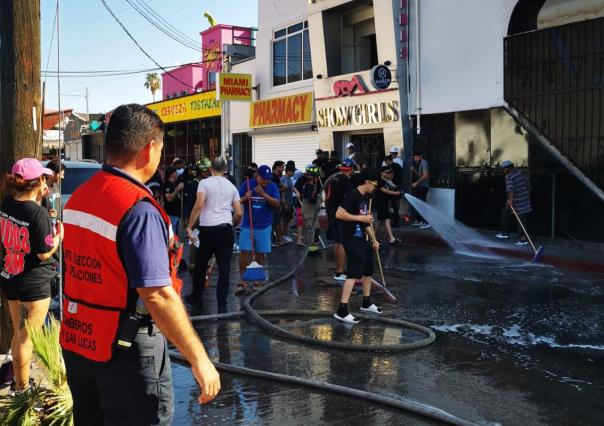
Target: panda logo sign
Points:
(381, 77)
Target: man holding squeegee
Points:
(518, 199)
(357, 239)
(259, 197)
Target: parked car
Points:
(76, 173)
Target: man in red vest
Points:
(119, 295)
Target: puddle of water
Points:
(513, 335)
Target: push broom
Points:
(538, 252)
(374, 241)
(254, 271)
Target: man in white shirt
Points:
(218, 208)
(394, 152)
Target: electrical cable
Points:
(140, 47)
(52, 37)
(167, 32)
(168, 24)
(61, 122)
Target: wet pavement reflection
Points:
(517, 343)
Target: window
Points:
(291, 54)
(211, 79)
(350, 38)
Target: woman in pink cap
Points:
(29, 241)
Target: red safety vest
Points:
(96, 283)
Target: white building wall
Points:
(301, 146)
(273, 15)
(461, 54)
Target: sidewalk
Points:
(577, 255)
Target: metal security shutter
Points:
(299, 147)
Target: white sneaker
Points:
(416, 223)
(521, 243)
(426, 226)
(339, 277)
(372, 309)
(348, 318)
(502, 236)
(288, 239)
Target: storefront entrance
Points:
(371, 147)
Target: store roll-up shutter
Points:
(299, 147)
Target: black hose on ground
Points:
(397, 403)
(257, 317)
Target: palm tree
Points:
(152, 83)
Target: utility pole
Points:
(87, 110)
(20, 99)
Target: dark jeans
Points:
(217, 241)
(420, 192)
(133, 388)
(508, 219)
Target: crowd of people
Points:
(119, 234)
(221, 216)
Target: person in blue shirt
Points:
(264, 196)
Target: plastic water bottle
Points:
(194, 238)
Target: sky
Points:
(91, 40)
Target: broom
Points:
(374, 241)
(538, 252)
(254, 271)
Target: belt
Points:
(222, 225)
(150, 329)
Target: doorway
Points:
(371, 147)
(242, 154)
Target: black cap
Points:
(319, 151)
(417, 152)
(366, 175)
(386, 169)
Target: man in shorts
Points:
(264, 197)
(355, 218)
(338, 187)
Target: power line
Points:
(139, 46)
(176, 30)
(111, 73)
(52, 37)
(157, 23)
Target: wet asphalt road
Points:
(517, 344)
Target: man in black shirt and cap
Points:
(355, 219)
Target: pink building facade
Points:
(202, 77)
(190, 77)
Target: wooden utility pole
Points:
(20, 99)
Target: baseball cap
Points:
(506, 163)
(368, 176)
(29, 169)
(312, 170)
(386, 169)
(346, 164)
(265, 172)
(170, 171)
(319, 151)
(203, 164)
(349, 145)
(394, 149)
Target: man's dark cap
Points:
(169, 171)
